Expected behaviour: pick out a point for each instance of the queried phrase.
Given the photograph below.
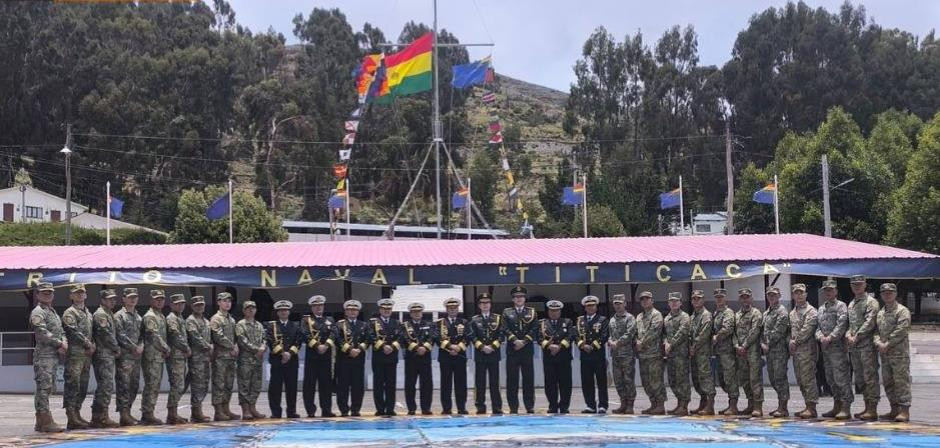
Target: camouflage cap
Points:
(78, 287)
(157, 294)
(857, 279)
(745, 292)
(249, 304)
(590, 300)
(829, 284)
(283, 305)
(674, 296)
(618, 298)
(773, 290)
(554, 305)
(484, 296)
(698, 293)
(354, 304)
(798, 287)
(316, 300)
(177, 298)
(223, 296)
(889, 287)
(107, 294)
(386, 303)
(198, 300)
(44, 286)
(720, 292)
(518, 290)
(646, 295)
(130, 292)
(415, 306)
(451, 301)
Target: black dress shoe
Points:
(497, 412)
(513, 411)
(313, 416)
(391, 413)
(462, 412)
(589, 411)
(344, 413)
(411, 412)
(563, 411)
(446, 412)
(327, 415)
(379, 414)
(530, 411)
(481, 411)
(275, 416)
(354, 414)
(293, 415)
(427, 412)
(552, 411)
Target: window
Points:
(703, 228)
(33, 212)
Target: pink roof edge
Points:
(784, 247)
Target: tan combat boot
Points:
(709, 408)
(628, 407)
(870, 413)
(228, 411)
(701, 404)
(125, 418)
(173, 417)
(101, 419)
(843, 413)
(45, 423)
(147, 418)
(732, 408)
(682, 409)
(904, 414)
(246, 413)
(197, 415)
(659, 408)
(758, 410)
(748, 409)
(891, 414)
(781, 410)
(836, 408)
(254, 412)
(808, 412)
(73, 421)
(220, 414)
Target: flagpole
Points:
(231, 203)
(108, 220)
(348, 201)
(681, 210)
(584, 208)
(469, 216)
(329, 212)
(776, 204)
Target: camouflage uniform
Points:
(747, 331)
(250, 336)
(178, 341)
(833, 321)
(723, 333)
(863, 355)
(104, 329)
(222, 326)
(200, 340)
(77, 325)
(776, 336)
(894, 323)
(678, 325)
(701, 348)
(156, 351)
(49, 337)
(622, 329)
(649, 336)
(802, 330)
(127, 369)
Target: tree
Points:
(750, 216)
(602, 222)
(251, 221)
(914, 216)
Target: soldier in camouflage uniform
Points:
(678, 326)
(701, 351)
(251, 347)
(156, 351)
(774, 343)
(76, 321)
(178, 341)
(649, 348)
(833, 322)
(804, 349)
(748, 323)
(107, 348)
(863, 315)
(891, 341)
(723, 346)
(225, 351)
(127, 367)
(622, 328)
(50, 346)
(200, 346)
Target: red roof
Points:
(787, 247)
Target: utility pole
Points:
(68, 184)
(827, 220)
(729, 171)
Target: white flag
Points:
(352, 125)
(505, 164)
(349, 139)
(344, 154)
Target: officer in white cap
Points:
(555, 333)
(591, 334)
(284, 340)
(386, 333)
(317, 330)
(419, 339)
(353, 337)
(453, 337)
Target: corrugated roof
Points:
(787, 247)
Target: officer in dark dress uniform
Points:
(591, 335)
(520, 336)
(284, 339)
(487, 330)
(554, 336)
(452, 335)
(318, 334)
(353, 337)
(386, 333)
(418, 337)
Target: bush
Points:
(53, 234)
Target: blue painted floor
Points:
(568, 431)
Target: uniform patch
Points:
(36, 320)
(69, 319)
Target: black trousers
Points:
(484, 371)
(516, 365)
(594, 371)
(453, 377)
(350, 383)
(557, 384)
(283, 376)
(418, 368)
(384, 377)
(318, 372)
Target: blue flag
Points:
(765, 195)
(669, 199)
(219, 208)
(573, 195)
(459, 200)
(117, 207)
(474, 73)
(338, 200)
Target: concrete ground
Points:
(17, 413)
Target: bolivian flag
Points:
(406, 72)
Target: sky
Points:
(539, 40)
